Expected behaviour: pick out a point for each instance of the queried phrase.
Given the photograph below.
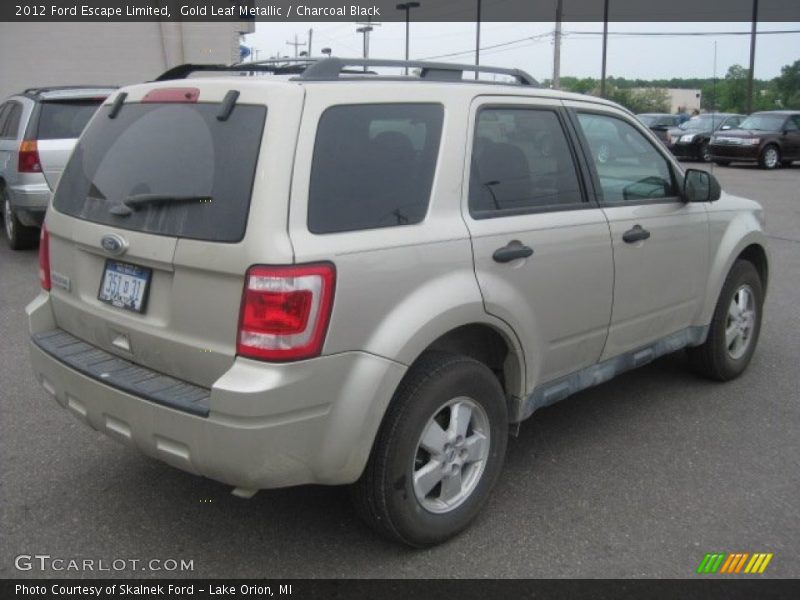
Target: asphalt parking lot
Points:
(639, 477)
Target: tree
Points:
(649, 100)
(787, 86)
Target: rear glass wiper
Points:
(133, 202)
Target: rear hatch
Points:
(58, 121)
(149, 233)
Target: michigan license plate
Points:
(125, 286)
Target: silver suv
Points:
(38, 129)
(323, 275)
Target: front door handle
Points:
(512, 251)
(636, 234)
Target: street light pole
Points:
(605, 49)
(407, 6)
(751, 72)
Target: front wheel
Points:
(705, 153)
(770, 157)
(735, 327)
(438, 453)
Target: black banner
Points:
(431, 589)
(387, 10)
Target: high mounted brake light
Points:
(285, 311)
(176, 94)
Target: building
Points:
(681, 100)
(42, 54)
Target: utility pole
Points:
(296, 44)
(557, 48)
(310, 36)
(750, 74)
(478, 39)
(605, 49)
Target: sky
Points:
(632, 57)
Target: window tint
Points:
(373, 166)
(793, 124)
(202, 169)
(65, 119)
(629, 167)
(520, 161)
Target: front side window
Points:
(629, 167)
(373, 166)
(521, 161)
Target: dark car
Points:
(690, 139)
(660, 123)
(769, 138)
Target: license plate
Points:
(125, 286)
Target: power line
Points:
(680, 33)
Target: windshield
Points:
(180, 152)
(763, 122)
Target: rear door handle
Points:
(636, 234)
(512, 251)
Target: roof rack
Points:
(330, 68)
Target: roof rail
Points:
(330, 68)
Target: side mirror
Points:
(700, 186)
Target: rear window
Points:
(197, 169)
(373, 166)
(65, 119)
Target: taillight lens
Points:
(285, 311)
(44, 259)
(29, 157)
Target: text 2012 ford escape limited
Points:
(323, 275)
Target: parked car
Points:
(769, 138)
(690, 139)
(274, 283)
(38, 129)
(660, 123)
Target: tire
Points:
(722, 163)
(770, 157)
(386, 497)
(705, 153)
(18, 236)
(720, 357)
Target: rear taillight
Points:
(29, 157)
(285, 311)
(44, 259)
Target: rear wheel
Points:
(734, 330)
(438, 453)
(770, 157)
(18, 236)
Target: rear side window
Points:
(521, 161)
(65, 119)
(169, 169)
(9, 128)
(373, 166)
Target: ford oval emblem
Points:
(114, 244)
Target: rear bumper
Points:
(29, 202)
(268, 425)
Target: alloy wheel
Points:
(740, 322)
